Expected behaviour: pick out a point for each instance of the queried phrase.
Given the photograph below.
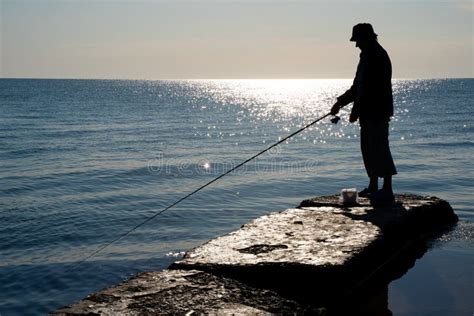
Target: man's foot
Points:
(366, 192)
(382, 197)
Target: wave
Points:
(446, 144)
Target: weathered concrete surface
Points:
(323, 246)
(183, 293)
(319, 254)
(308, 236)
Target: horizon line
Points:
(202, 79)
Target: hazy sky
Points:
(165, 39)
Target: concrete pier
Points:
(308, 259)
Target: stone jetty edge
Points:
(302, 260)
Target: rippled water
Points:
(83, 161)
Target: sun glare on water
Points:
(276, 99)
(283, 104)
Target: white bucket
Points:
(349, 195)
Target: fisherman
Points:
(371, 93)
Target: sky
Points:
(216, 39)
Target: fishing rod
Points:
(100, 249)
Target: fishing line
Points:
(197, 190)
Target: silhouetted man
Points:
(371, 93)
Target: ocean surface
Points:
(84, 161)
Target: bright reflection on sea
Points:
(276, 105)
(277, 99)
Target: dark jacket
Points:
(371, 90)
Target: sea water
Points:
(84, 161)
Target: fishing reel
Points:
(335, 119)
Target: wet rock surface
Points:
(315, 255)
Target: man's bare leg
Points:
(387, 184)
(374, 184)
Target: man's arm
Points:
(344, 99)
